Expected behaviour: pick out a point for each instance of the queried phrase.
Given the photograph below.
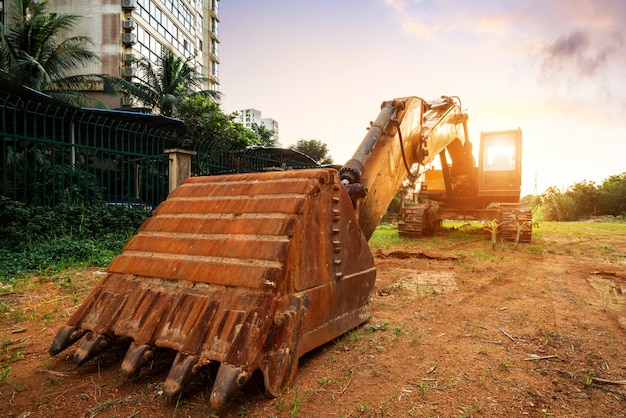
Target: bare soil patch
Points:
(457, 330)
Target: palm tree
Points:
(31, 55)
(162, 87)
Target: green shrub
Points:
(40, 238)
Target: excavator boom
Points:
(407, 131)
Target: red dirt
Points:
(457, 330)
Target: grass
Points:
(59, 254)
(454, 233)
(385, 236)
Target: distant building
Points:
(249, 117)
(123, 30)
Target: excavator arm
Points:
(407, 131)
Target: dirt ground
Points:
(457, 330)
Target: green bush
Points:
(40, 238)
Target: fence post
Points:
(180, 166)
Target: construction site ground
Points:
(457, 329)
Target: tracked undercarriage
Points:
(424, 219)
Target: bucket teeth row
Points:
(90, 346)
(136, 357)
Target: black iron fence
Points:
(214, 158)
(51, 153)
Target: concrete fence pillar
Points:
(180, 166)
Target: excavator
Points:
(461, 190)
(248, 272)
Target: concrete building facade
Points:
(250, 117)
(126, 30)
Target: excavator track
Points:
(514, 219)
(248, 270)
(418, 221)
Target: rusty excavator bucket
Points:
(248, 270)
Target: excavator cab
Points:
(500, 165)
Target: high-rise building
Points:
(124, 30)
(250, 117)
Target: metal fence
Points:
(215, 158)
(51, 153)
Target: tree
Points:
(204, 120)
(265, 136)
(586, 195)
(315, 149)
(163, 87)
(613, 195)
(31, 55)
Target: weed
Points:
(504, 366)
(354, 336)
(297, 404)
(51, 383)
(177, 403)
(4, 372)
(423, 386)
(324, 380)
(374, 328)
(47, 316)
(466, 411)
(18, 316)
(365, 408)
(492, 227)
(103, 407)
(383, 406)
(589, 375)
(397, 331)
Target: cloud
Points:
(576, 54)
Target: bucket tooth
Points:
(136, 357)
(228, 381)
(182, 370)
(89, 347)
(66, 336)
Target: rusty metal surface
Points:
(249, 270)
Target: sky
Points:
(556, 69)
